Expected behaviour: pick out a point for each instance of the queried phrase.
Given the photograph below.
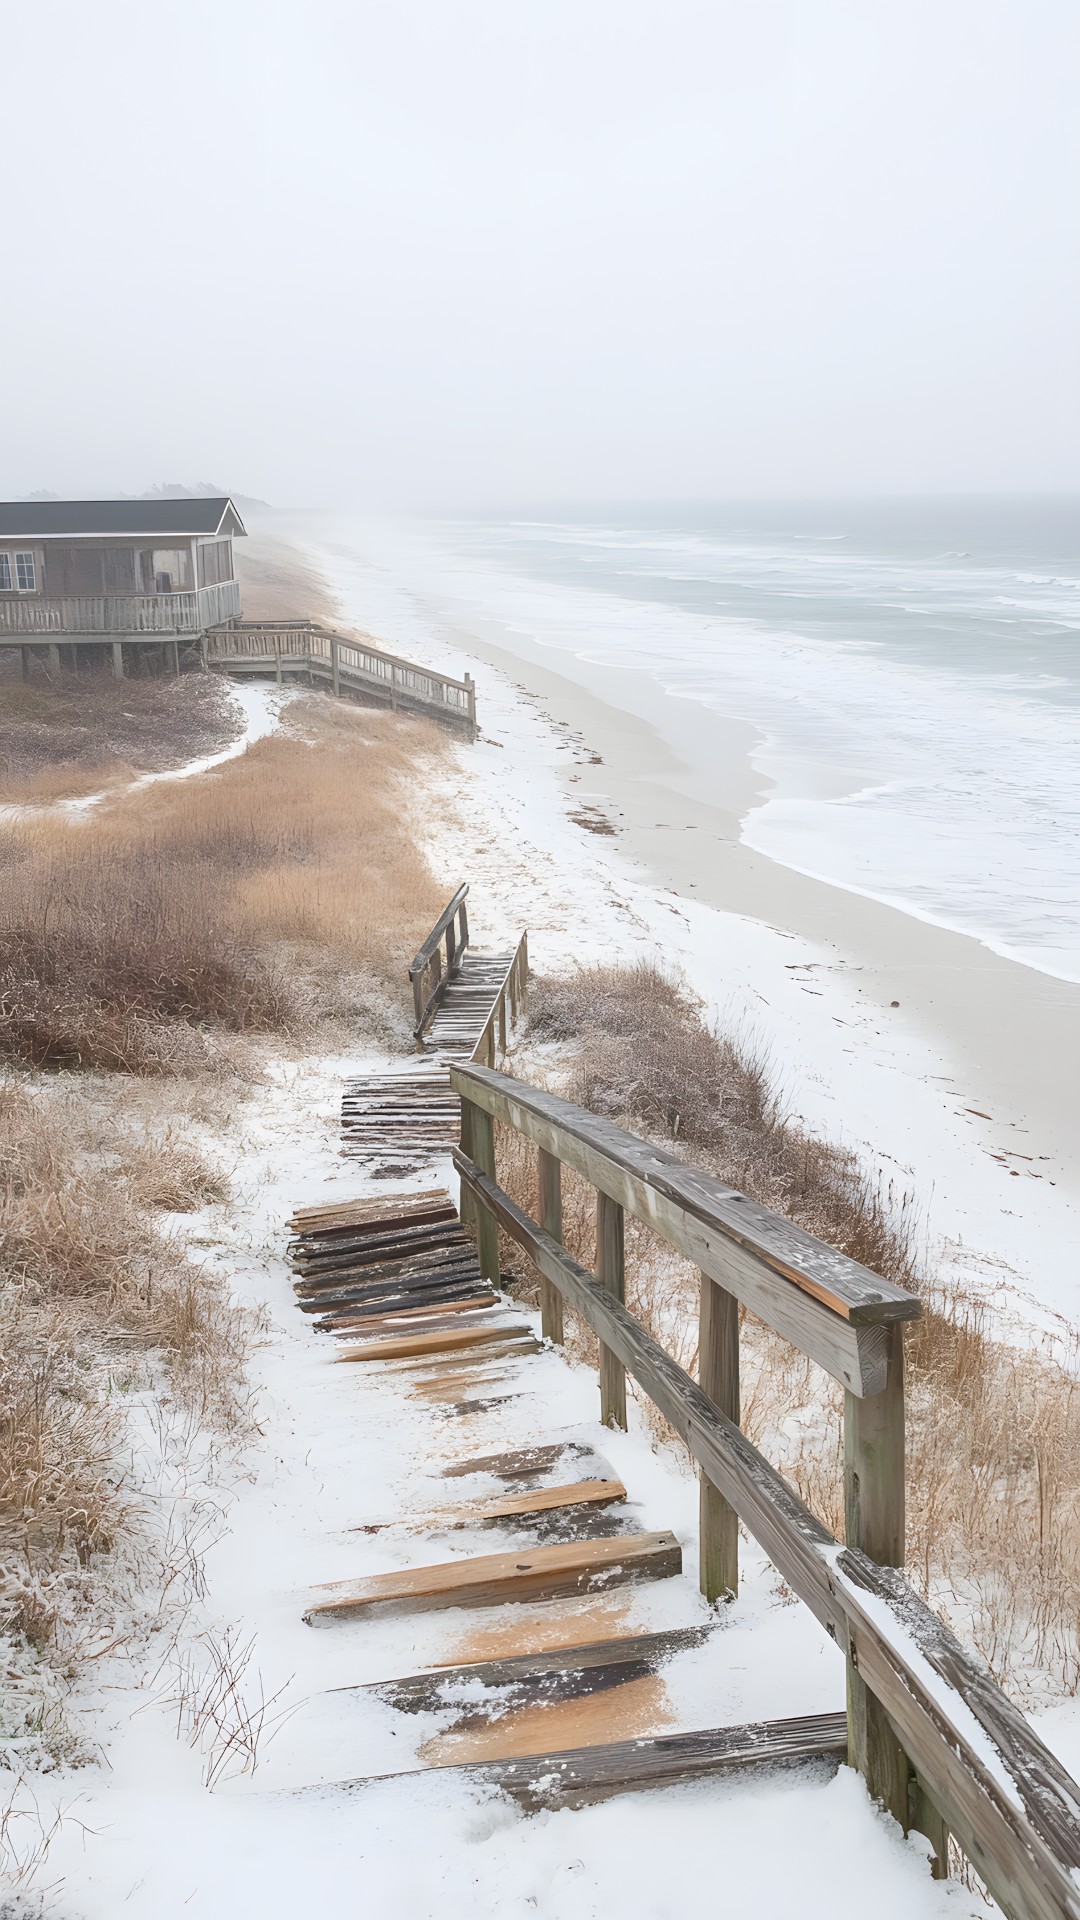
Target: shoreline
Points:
(995, 1019)
(948, 1100)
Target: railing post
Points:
(487, 1227)
(467, 1208)
(550, 1182)
(502, 1022)
(463, 927)
(393, 688)
(718, 1376)
(277, 656)
(472, 700)
(335, 666)
(451, 949)
(874, 1500)
(611, 1273)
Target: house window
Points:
(5, 572)
(25, 573)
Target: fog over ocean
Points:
(911, 670)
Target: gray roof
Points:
(45, 519)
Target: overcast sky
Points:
(437, 253)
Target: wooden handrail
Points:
(452, 926)
(250, 629)
(513, 988)
(835, 1310)
(930, 1729)
(437, 931)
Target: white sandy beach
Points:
(957, 1097)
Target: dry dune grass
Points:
(93, 1299)
(78, 732)
(994, 1437)
(282, 890)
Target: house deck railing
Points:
(26, 617)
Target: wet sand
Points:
(1008, 1035)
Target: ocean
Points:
(910, 670)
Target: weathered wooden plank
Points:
(519, 1506)
(493, 1579)
(523, 1461)
(634, 1655)
(414, 1275)
(463, 1289)
(392, 1326)
(417, 1346)
(367, 1216)
(420, 1368)
(366, 1250)
(581, 1776)
(696, 1214)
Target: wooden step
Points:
(429, 1319)
(486, 1513)
(523, 1463)
(533, 1679)
(432, 1380)
(493, 1579)
(581, 1776)
(420, 1345)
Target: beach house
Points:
(148, 575)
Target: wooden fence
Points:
(937, 1741)
(291, 649)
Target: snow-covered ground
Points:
(338, 1446)
(142, 1833)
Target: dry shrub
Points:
(282, 888)
(643, 1054)
(58, 1454)
(75, 1238)
(71, 733)
(172, 1177)
(993, 1434)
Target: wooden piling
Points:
(550, 1182)
(874, 1520)
(611, 1273)
(487, 1229)
(718, 1376)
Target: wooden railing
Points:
(302, 646)
(937, 1741)
(128, 614)
(429, 975)
(509, 1002)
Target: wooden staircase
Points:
(396, 1285)
(464, 1004)
(574, 1711)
